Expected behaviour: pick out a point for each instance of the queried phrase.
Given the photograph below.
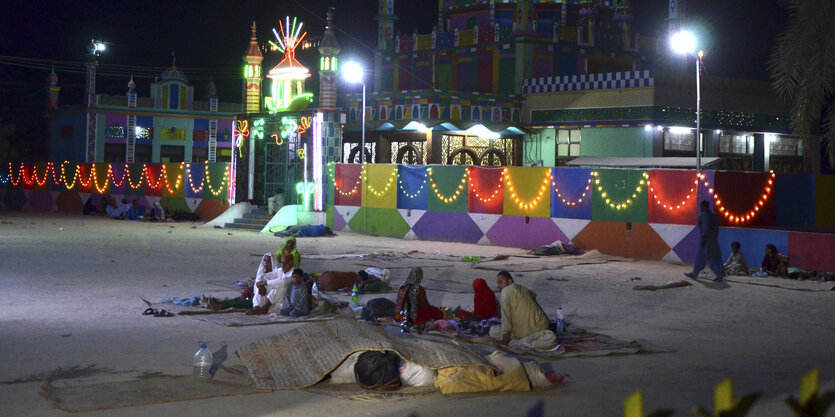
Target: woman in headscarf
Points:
(266, 271)
(412, 304)
(289, 247)
(484, 302)
(271, 284)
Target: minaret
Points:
(328, 49)
(252, 74)
(212, 91)
(52, 89)
(130, 135)
(385, 32)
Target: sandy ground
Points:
(70, 311)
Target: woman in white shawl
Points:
(271, 283)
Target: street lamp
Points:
(685, 43)
(353, 73)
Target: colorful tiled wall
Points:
(648, 214)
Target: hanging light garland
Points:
(130, 180)
(420, 190)
(493, 195)
(677, 206)
(370, 188)
(28, 181)
(208, 180)
(624, 204)
(147, 173)
(744, 217)
(118, 184)
(19, 175)
(452, 197)
(95, 180)
(49, 168)
(353, 190)
(80, 174)
(191, 181)
(164, 175)
(579, 200)
(530, 204)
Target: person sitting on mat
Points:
(413, 307)
(271, 284)
(735, 265)
(484, 302)
(523, 321)
(296, 302)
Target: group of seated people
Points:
(123, 209)
(774, 263)
(281, 287)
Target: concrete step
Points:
(240, 226)
(250, 221)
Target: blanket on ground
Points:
(286, 362)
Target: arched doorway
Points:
(493, 157)
(462, 156)
(408, 155)
(354, 157)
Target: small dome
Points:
(173, 74)
(211, 89)
(131, 84)
(52, 78)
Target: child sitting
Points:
(735, 265)
(295, 302)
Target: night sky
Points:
(209, 38)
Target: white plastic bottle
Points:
(315, 290)
(202, 363)
(560, 322)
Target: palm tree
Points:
(802, 68)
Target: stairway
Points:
(255, 220)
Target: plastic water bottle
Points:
(355, 295)
(560, 322)
(315, 291)
(202, 363)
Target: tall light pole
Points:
(353, 73)
(684, 43)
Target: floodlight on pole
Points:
(353, 73)
(685, 43)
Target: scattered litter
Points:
(61, 229)
(557, 279)
(471, 258)
(170, 231)
(230, 234)
(556, 248)
(170, 227)
(501, 257)
(635, 279)
(218, 227)
(678, 284)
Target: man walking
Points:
(708, 244)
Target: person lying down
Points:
(510, 374)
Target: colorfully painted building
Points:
(168, 126)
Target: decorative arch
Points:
(456, 113)
(382, 112)
(497, 114)
(409, 150)
(415, 112)
(464, 152)
(476, 113)
(492, 157)
(433, 112)
(516, 117)
(353, 157)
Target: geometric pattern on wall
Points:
(447, 227)
(484, 222)
(637, 241)
(525, 232)
(411, 217)
(570, 227)
(346, 213)
(379, 222)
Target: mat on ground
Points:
(303, 356)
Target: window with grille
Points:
(568, 143)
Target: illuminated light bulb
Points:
(603, 195)
(756, 208)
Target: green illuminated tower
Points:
(252, 74)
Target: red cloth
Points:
(484, 301)
(433, 313)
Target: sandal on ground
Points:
(163, 313)
(150, 311)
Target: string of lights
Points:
(577, 201)
(92, 178)
(452, 197)
(734, 217)
(493, 195)
(420, 190)
(530, 204)
(623, 204)
(682, 203)
(353, 190)
(370, 188)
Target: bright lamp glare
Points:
(100, 46)
(680, 130)
(683, 43)
(352, 72)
